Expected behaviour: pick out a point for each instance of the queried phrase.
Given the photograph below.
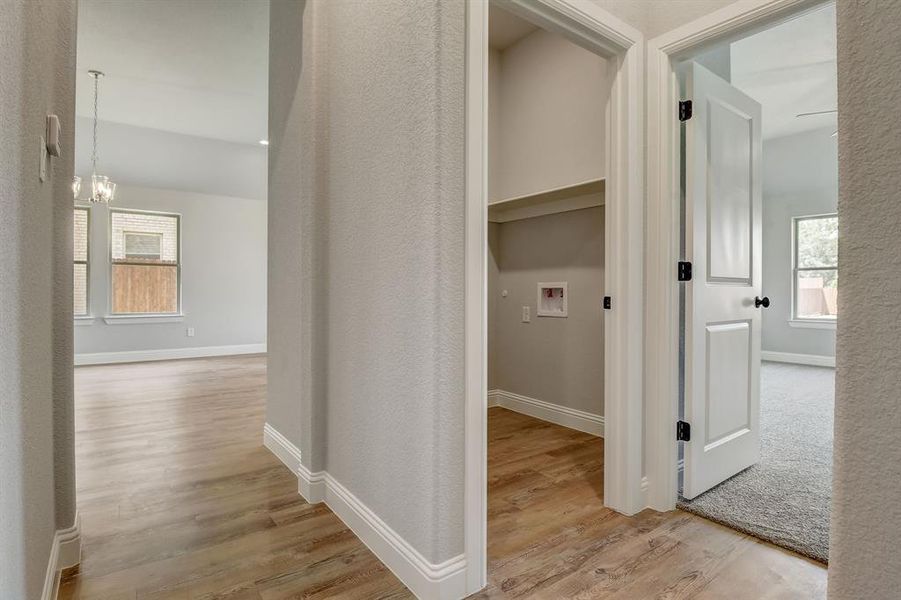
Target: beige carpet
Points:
(785, 498)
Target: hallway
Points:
(180, 500)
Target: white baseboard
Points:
(442, 581)
(815, 360)
(429, 581)
(65, 552)
(311, 485)
(553, 413)
(279, 445)
(108, 358)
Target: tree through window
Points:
(816, 267)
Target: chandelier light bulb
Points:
(102, 189)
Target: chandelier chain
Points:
(94, 151)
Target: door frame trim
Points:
(664, 221)
(595, 29)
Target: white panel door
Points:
(722, 319)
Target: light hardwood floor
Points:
(180, 500)
(550, 537)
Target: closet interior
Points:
(547, 104)
(546, 161)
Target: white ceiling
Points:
(790, 69)
(187, 66)
(505, 29)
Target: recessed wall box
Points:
(553, 299)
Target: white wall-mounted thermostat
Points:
(553, 299)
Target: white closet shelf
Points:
(570, 197)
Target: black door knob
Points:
(764, 302)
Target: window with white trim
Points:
(81, 256)
(145, 262)
(815, 268)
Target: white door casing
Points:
(722, 241)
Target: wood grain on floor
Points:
(549, 535)
(180, 500)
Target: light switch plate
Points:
(526, 314)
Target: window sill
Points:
(811, 324)
(84, 320)
(142, 319)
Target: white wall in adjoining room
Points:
(790, 69)
(800, 178)
(182, 109)
(558, 360)
(493, 277)
(145, 157)
(223, 275)
(547, 102)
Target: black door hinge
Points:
(608, 302)
(684, 110)
(683, 431)
(684, 272)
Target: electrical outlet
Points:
(526, 314)
(190, 332)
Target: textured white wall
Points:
(395, 264)
(367, 197)
(295, 226)
(800, 178)
(37, 474)
(864, 561)
(223, 274)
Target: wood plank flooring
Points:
(179, 500)
(550, 537)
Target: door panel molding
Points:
(723, 207)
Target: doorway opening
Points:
(547, 105)
(169, 265)
(594, 30)
(760, 228)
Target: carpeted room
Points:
(785, 497)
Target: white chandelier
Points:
(102, 188)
